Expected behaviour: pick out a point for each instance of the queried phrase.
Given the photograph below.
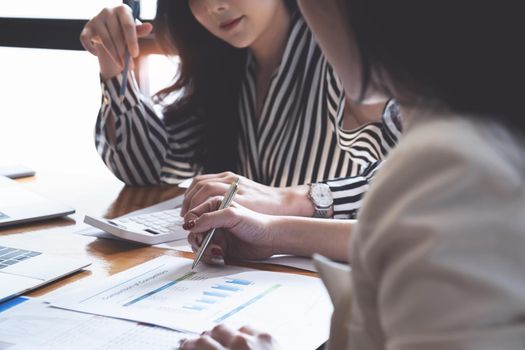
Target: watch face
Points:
(321, 195)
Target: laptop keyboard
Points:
(11, 256)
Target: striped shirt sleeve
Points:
(145, 150)
(348, 192)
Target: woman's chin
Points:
(238, 45)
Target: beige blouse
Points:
(438, 257)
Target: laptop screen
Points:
(19, 205)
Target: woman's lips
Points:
(230, 24)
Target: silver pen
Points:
(226, 201)
(134, 4)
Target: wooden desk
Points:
(103, 196)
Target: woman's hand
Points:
(243, 234)
(252, 195)
(223, 337)
(108, 34)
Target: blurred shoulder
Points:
(435, 145)
(446, 169)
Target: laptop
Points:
(22, 270)
(19, 205)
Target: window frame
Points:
(49, 33)
(64, 34)
(40, 33)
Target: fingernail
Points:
(216, 251)
(188, 225)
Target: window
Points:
(63, 9)
(50, 87)
(49, 105)
(67, 9)
(56, 24)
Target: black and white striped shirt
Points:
(298, 137)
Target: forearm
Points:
(297, 201)
(108, 67)
(305, 236)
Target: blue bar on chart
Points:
(207, 301)
(241, 282)
(160, 289)
(225, 287)
(215, 294)
(246, 304)
(194, 307)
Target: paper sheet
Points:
(186, 183)
(166, 292)
(298, 262)
(33, 324)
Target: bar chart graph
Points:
(218, 293)
(166, 292)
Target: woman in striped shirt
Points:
(257, 98)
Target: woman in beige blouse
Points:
(437, 254)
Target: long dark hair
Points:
(466, 55)
(209, 81)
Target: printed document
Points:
(33, 324)
(166, 292)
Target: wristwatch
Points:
(321, 197)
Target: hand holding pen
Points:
(228, 198)
(112, 33)
(244, 234)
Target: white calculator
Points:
(151, 228)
